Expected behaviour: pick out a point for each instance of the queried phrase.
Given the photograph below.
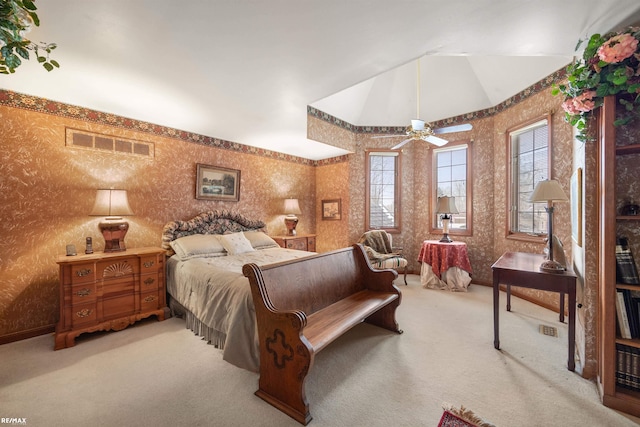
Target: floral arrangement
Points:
(609, 66)
(16, 18)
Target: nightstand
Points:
(301, 242)
(109, 291)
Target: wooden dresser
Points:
(301, 242)
(109, 291)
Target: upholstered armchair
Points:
(381, 252)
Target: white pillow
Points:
(197, 246)
(236, 243)
(260, 240)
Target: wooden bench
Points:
(303, 305)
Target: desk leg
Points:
(496, 309)
(572, 329)
(561, 307)
(508, 297)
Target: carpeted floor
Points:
(160, 374)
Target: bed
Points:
(205, 284)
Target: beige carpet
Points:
(160, 374)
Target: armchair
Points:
(381, 253)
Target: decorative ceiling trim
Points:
(41, 105)
(543, 84)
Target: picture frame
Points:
(217, 183)
(332, 210)
(576, 207)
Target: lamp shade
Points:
(446, 205)
(111, 203)
(291, 207)
(548, 190)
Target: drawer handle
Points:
(150, 298)
(83, 272)
(149, 264)
(84, 313)
(83, 292)
(149, 281)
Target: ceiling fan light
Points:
(417, 124)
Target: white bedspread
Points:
(215, 291)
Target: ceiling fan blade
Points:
(455, 128)
(436, 141)
(395, 147)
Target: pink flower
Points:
(580, 104)
(618, 48)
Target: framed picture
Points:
(576, 207)
(216, 183)
(332, 209)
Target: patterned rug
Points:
(462, 417)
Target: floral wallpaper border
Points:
(33, 103)
(481, 114)
(41, 105)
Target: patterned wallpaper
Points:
(49, 190)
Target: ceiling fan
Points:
(419, 130)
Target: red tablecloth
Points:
(442, 256)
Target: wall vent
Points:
(106, 143)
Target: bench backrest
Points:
(312, 283)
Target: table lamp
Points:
(291, 209)
(549, 191)
(446, 206)
(112, 204)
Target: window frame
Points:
(509, 233)
(397, 228)
(434, 227)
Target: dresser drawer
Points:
(149, 301)
(149, 282)
(81, 294)
(83, 273)
(311, 244)
(149, 264)
(82, 314)
(298, 244)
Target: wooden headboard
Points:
(212, 222)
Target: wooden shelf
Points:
(628, 149)
(628, 217)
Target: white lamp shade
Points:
(417, 124)
(111, 203)
(548, 190)
(446, 205)
(291, 207)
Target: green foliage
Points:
(16, 18)
(594, 78)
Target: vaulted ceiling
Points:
(246, 70)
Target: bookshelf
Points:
(619, 170)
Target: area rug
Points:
(461, 417)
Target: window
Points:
(383, 190)
(530, 162)
(451, 173)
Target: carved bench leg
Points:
(386, 317)
(284, 365)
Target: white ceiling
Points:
(245, 70)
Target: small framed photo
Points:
(332, 209)
(217, 183)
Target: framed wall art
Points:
(332, 209)
(217, 183)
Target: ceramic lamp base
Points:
(113, 230)
(291, 223)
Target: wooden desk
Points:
(523, 269)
